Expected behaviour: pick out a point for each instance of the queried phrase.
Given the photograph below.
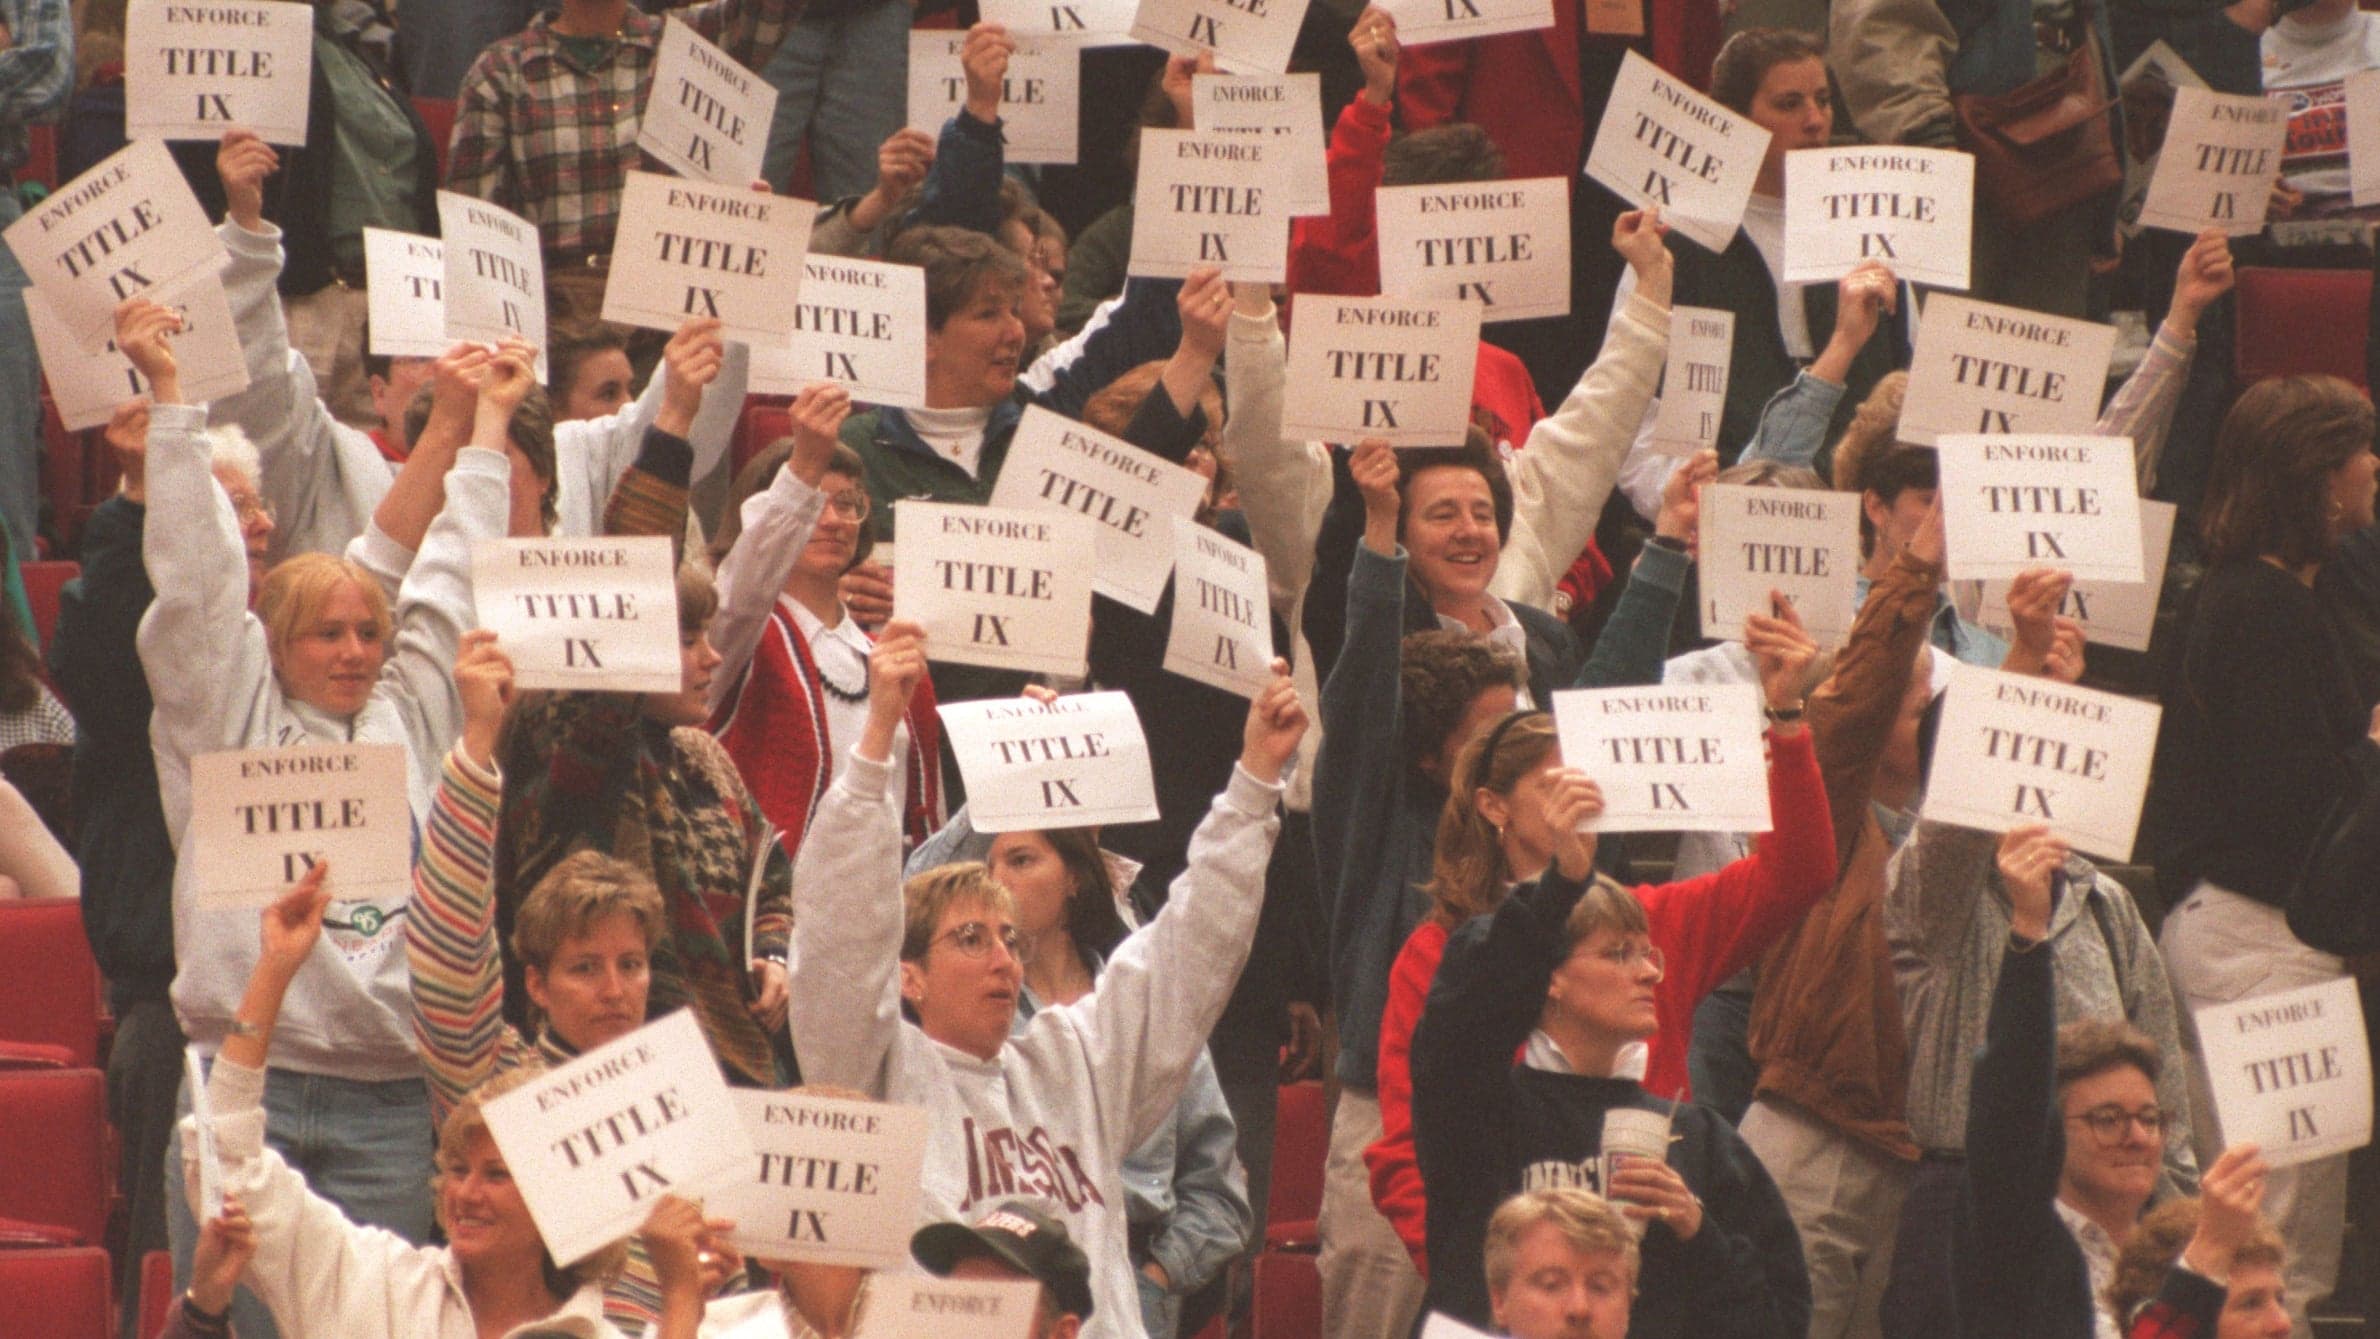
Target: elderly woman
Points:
(323, 659)
(2262, 719)
(322, 1274)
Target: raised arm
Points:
(2143, 409)
(1853, 712)
(847, 923)
(1148, 1019)
(1283, 484)
(1340, 251)
(962, 188)
(1633, 647)
(2013, 1159)
(778, 522)
(450, 931)
(1573, 456)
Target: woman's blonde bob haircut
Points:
(587, 887)
(925, 897)
(294, 593)
(468, 1121)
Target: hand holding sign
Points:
(288, 928)
(686, 1248)
(1374, 41)
(690, 363)
(895, 667)
(1572, 802)
(984, 59)
(142, 331)
(1680, 517)
(1783, 652)
(243, 162)
(483, 680)
(2044, 641)
(226, 1243)
(2205, 275)
(1276, 722)
(2029, 860)
(2230, 1196)
(1642, 240)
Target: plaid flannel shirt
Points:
(36, 71)
(552, 139)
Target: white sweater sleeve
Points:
(846, 988)
(310, 1261)
(434, 605)
(203, 653)
(1283, 485)
(1147, 1022)
(1566, 471)
(591, 454)
(778, 522)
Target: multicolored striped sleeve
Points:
(450, 938)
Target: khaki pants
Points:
(326, 327)
(1845, 1198)
(1370, 1289)
(2221, 947)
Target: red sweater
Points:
(1707, 928)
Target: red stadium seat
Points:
(49, 984)
(1301, 1144)
(157, 1295)
(56, 1294)
(43, 581)
(1288, 1302)
(762, 422)
(41, 157)
(2302, 321)
(439, 115)
(54, 1125)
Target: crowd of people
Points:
(1886, 1075)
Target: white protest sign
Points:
(194, 71)
(593, 1143)
(2122, 614)
(405, 294)
(2362, 97)
(1803, 543)
(1135, 498)
(1437, 1326)
(1504, 244)
(753, 1315)
(593, 614)
(2291, 1072)
(1247, 36)
(860, 324)
(495, 272)
(707, 117)
(128, 225)
(1040, 98)
(87, 386)
(1222, 632)
(2014, 749)
(703, 250)
(1662, 143)
(834, 1181)
(1669, 759)
(2221, 153)
(210, 1158)
(2013, 503)
(260, 818)
(1694, 382)
(1287, 106)
(1211, 200)
(1979, 367)
(1913, 209)
(1078, 761)
(1380, 367)
(920, 1306)
(1422, 21)
(991, 586)
(1088, 23)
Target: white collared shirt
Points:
(841, 655)
(2099, 1255)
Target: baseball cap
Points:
(1021, 1236)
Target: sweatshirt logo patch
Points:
(362, 931)
(1552, 1175)
(1003, 1164)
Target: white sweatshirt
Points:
(323, 479)
(320, 1273)
(349, 1013)
(1053, 1117)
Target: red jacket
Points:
(1707, 928)
(1523, 88)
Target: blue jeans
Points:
(20, 401)
(365, 1147)
(844, 81)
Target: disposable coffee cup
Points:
(1631, 1132)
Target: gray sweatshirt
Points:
(349, 1013)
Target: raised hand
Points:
(2029, 860)
(1176, 84)
(1783, 650)
(901, 163)
(1680, 517)
(225, 1246)
(1863, 298)
(2204, 275)
(2229, 1196)
(894, 668)
(144, 331)
(817, 416)
(243, 161)
(1374, 466)
(1205, 306)
(510, 378)
(127, 432)
(288, 928)
(1638, 236)
(691, 362)
(1571, 799)
(1374, 41)
(483, 679)
(1276, 722)
(984, 58)
(2034, 599)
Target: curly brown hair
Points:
(1442, 673)
(2156, 1245)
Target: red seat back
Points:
(762, 422)
(43, 581)
(1288, 1302)
(57, 1294)
(157, 1296)
(439, 115)
(54, 1125)
(1301, 1144)
(2292, 322)
(49, 984)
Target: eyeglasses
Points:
(1626, 956)
(851, 504)
(2108, 1123)
(974, 939)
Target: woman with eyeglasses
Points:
(636, 775)
(1524, 1064)
(791, 692)
(1051, 1111)
(1511, 808)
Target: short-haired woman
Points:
(321, 1273)
(2262, 718)
(322, 660)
